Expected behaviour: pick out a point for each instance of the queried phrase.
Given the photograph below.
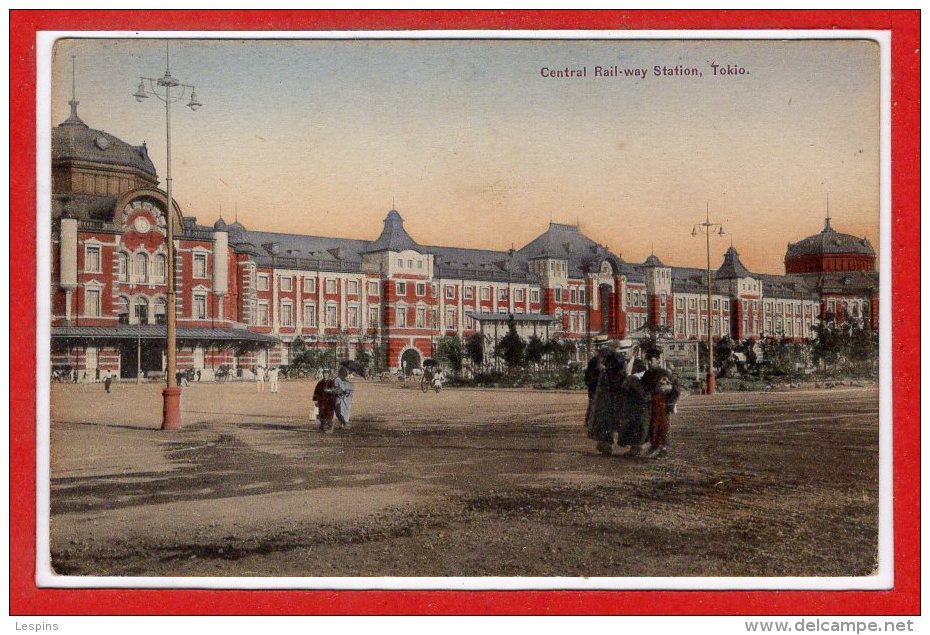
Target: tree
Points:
(450, 351)
(724, 359)
(474, 349)
(535, 350)
(511, 348)
(827, 342)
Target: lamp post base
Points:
(171, 408)
(711, 383)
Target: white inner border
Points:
(883, 578)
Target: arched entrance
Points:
(409, 360)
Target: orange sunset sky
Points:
(478, 145)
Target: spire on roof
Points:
(73, 119)
(826, 225)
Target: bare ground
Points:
(461, 483)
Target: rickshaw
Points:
(432, 376)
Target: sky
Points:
(476, 145)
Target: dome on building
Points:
(220, 225)
(653, 261)
(830, 241)
(236, 231)
(74, 140)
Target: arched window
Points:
(122, 258)
(140, 267)
(160, 307)
(122, 309)
(159, 268)
(141, 310)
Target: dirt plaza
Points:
(466, 482)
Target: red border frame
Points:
(26, 599)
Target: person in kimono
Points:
(325, 400)
(342, 389)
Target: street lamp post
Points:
(707, 228)
(160, 88)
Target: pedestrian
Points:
(260, 378)
(636, 402)
(273, 379)
(605, 413)
(664, 399)
(342, 389)
(325, 401)
(107, 381)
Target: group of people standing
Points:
(333, 397)
(271, 375)
(629, 399)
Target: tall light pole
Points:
(707, 228)
(160, 88)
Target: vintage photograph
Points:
(600, 309)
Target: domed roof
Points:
(830, 241)
(75, 140)
(653, 261)
(220, 225)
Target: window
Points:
(262, 282)
(502, 293)
(434, 319)
(519, 294)
(400, 262)
(421, 318)
(309, 285)
(373, 317)
(122, 310)
(159, 268)
(122, 260)
(286, 283)
(263, 312)
(469, 293)
(199, 308)
(92, 302)
(419, 264)
(353, 317)
(450, 292)
(161, 310)
(485, 293)
(534, 295)
(726, 305)
(92, 258)
(401, 315)
(573, 296)
(200, 265)
(558, 294)
(410, 264)
(691, 303)
(450, 318)
(353, 287)
(372, 288)
(287, 313)
(331, 286)
(421, 289)
(332, 317)
(469, 322)
(581, 296)
(309, 314)
(401, 288)
(680, 325)
(502, 309)
(716, 305)
(140, 268)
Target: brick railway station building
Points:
(245, 295)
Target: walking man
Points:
(107, 381)
(273, 379)
(325, 401)
(260, 378)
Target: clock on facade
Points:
(141, 224)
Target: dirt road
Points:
(461, 483)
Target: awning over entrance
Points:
(158, 331)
